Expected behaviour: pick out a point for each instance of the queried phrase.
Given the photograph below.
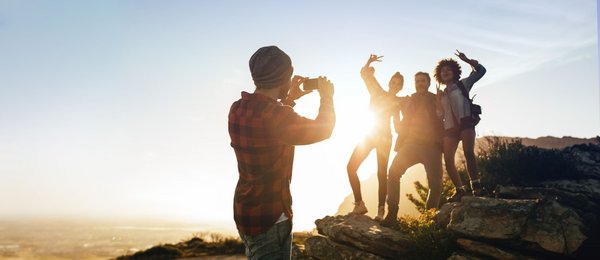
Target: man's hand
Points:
(325, 88)
(295, 91)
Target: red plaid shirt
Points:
(263, 134)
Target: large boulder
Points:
(364, 233)
(567, 193)
(490, 218)
(321, 247)
(555, 228)
(542, 225)
(442, 216)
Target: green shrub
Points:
(199, 244)
(157, 253)
(430, 240)
(422, 192)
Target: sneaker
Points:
(359, 208)
(458, 194)
(380, 213)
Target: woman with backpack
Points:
(460, 119)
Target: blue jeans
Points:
(276, 243)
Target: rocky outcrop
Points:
(364, 233)
(582, 196)
(497, 228)
(550, 220)
(490, 218)
(538, 225)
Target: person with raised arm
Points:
(383, 104)
(459, 119)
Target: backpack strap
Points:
(463, 90)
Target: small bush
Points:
(157, 253)
(430, 240)
(422, 192)
(199, 244)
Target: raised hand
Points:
(373, 58)
(461, 56)
(464, 58)
(295, 91)
(367, 70)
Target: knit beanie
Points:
(270, 67)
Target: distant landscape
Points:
(91, 239)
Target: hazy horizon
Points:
(118, 109)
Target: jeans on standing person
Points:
(276, 243)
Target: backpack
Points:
(475, 109)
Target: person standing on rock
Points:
(264, 130)
(459, 123)
(419, 141)
(384, 105)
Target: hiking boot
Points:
(390, 221)
(458, 194)
(359, 208)
(380, 213)
(476, 188)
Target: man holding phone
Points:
(264, 130)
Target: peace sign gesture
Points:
(461, 56)
(464, 58)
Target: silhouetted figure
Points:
(263, 133)
(383, 104)
(459, 123)
(419, 141)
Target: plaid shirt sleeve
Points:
(294, 129)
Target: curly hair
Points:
(452, 64)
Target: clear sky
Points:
(119, 108)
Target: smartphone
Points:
(311, 84)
